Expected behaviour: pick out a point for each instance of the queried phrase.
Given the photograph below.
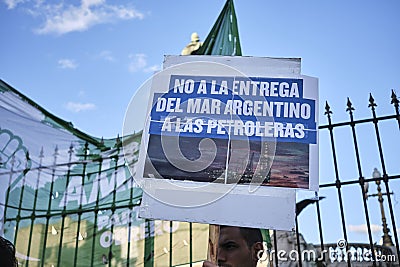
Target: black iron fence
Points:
(345, 252)
(95, 223)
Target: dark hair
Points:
(250, 235)
(7, 253)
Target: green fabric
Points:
(223, 38)
(52, 119)
(266, 237)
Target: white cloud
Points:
(12, 3)
(106, 55)
(153, 68)
(67, 63)
(362, 228)
(78, 107)
(62, 18)
(138, 62)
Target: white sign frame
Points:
(265, 207)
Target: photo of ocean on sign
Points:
(288, 167)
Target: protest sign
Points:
(212, 129)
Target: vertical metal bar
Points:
(321, 236)
(64, 212)
(350, 109)
(113, 206)
(8, 190)
(191, 244)
(395, 102)
(128, 254)
(276, 249)
(48, 215)
(84, 163)
(392, 217)
(129, 238)
(9, 186)
(170, 243)
(96, 212)
(41, 156)
(149, 244)
(298, 243)
(18, 218)
(372, 105)
(12, 172)
(328, 113)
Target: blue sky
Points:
(83, 61)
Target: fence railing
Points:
(389, 248)
(82, 211)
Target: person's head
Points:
(7, 253)
(239, 246)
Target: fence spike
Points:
(41, 153)
(70, 152)
(56, 151)
(12, 161)
(102, 141)
(86, 148)
(394, 101)
(372, 103)
(350, 107)
(117, 141)
(27, 165)
(327, 109)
